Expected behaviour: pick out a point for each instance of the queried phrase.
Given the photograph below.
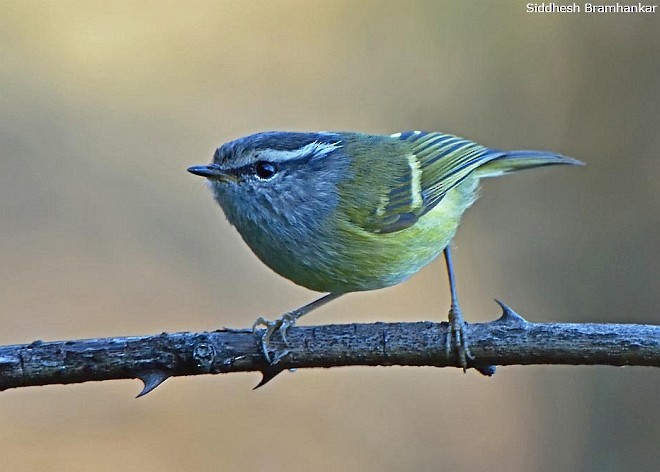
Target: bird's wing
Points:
(436, 163)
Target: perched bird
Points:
(343, 212)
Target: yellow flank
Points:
(366, 260)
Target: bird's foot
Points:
(456, 340)
(280, 325)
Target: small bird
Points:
(342, 212)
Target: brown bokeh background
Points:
(102, 231)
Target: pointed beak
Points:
(211, 172)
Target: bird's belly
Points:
(352, 259)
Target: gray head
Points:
(277, 187)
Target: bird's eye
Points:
(265, 170)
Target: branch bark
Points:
(508, 340)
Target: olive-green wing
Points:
(436, 163)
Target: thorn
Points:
(268, 375)
(152, 380)
(487, 370)
(509, 316)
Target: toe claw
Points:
(286, 321)
(276, 360)
(457, 338)
(265, 339)
(280, 325)
(261, 321)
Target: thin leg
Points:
(456, 335)
(284, 322)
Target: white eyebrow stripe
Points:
(317, 148)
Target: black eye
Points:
(265, 170)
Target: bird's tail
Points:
(511, 161)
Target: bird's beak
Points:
(211, 172)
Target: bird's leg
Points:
(284, 322)
(456, 335)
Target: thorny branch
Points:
(508, 340)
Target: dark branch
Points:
(507, 341)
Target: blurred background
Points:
(104, 233)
